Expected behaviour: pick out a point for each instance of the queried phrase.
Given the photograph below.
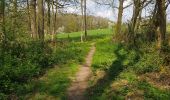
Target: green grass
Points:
(120, 79)
(104, 55)
(54, 84)
(92, 34)
(67, 55)
(55, 81)
(168, 28)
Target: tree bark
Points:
(33, 18)
(161, 22)
(41, 19)
(82, 19)
(85, 19)
(49, 17)
(2, 20)
(136, 11)
(29, 18)
(120, 13)
(54, 10)
(14, 18)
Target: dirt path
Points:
(80, 84)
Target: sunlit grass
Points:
(115, 77)
(53, 85)
(168, 28)
(97, 32)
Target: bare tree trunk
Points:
(14, 18)
(85, 19)
(136, 11)
(33, 18)
(41, 19)
(2, 20)
(29, 18)
(49, 17)
(82, 22)
(161, 23)
(139, 20)
(120, 13)
(54, 10)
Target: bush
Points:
(71, 51)
(20, 63)
(149, 62)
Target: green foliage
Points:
(104, 56)
(70, 51)
(152, 93)
(55, 82)
(148, 63)
(20, 64)
(123, 66)
(22, 61)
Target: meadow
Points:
(84, 50)
(118, 71)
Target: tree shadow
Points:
(114, 70)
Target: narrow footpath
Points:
(80, 84)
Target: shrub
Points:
(20, 63)
(149, 62)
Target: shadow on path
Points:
(115, 69)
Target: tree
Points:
(161, 27)
(33, 18)
(54, 11)
(119, 20)
(41, 19)
(2, 19)
(14, 17)
(85, 19)
(82, 14)
(48, 16)
(29, 18)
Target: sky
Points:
(108, 12)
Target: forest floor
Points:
(80, 84)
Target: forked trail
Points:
(80, 84)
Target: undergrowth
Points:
(117, 72)
(22, 62)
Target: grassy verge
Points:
(123, 73)
(24, 63)
(54, 83)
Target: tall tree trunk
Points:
(161, 22)
(14, 18)
(41, 19)
(136, 11)
(49, 17)
(2, 20)
(82, 19)
(33, 18)
(120, 13)
(54, 10)
(139, 20)
(85, 19)
(29, 18)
